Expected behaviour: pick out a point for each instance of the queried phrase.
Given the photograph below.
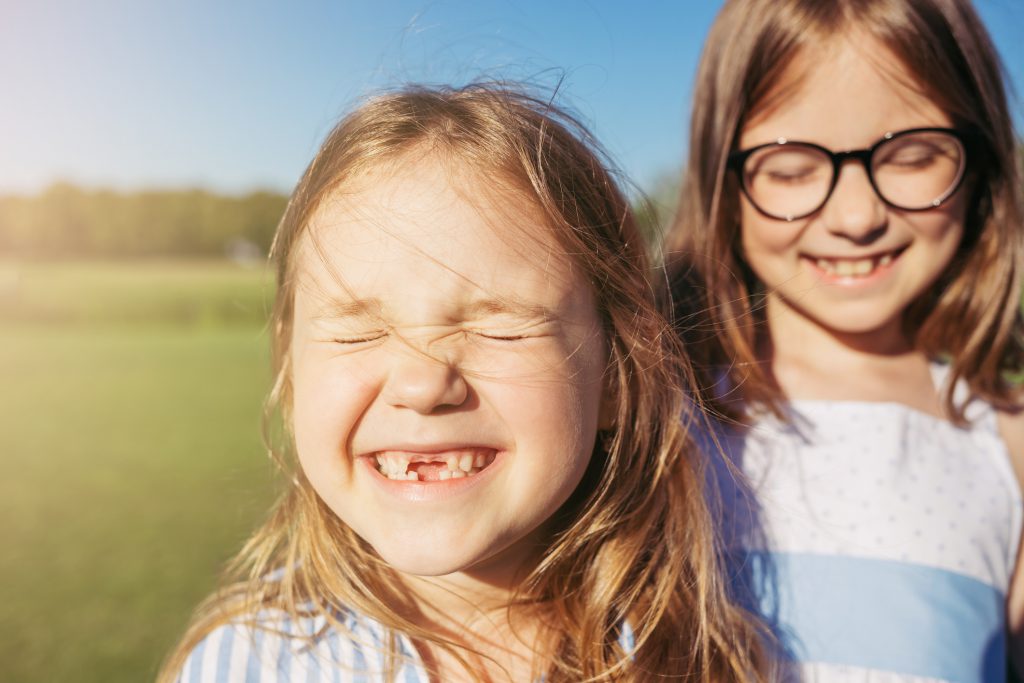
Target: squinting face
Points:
(855, 265)
(447, 364)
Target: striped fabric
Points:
(285, 651)
(282, 650)
(878, 541)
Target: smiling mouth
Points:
(441, 466)
(855, 268)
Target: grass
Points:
(132, 460)
(195, 293)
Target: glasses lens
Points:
(787, 180)
(918, 170)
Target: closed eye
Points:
(791, 176)
(499, 336)
(912, 161)
(360, 339)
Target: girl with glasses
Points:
(847, 275)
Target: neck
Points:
(472, 609)
(792, 333)
(810, 361)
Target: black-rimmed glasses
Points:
(912, 170)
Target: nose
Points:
(854, 210)
(424, 383)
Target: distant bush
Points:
(655, 209)
(67, 221)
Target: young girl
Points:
(479, 393)
(848, 269)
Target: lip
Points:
(878, 272)
(432, 448)
(427, 491)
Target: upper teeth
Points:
(465, 463)
(853, 267)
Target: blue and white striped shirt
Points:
(308, 651)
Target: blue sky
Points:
(235, 95)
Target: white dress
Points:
(878, 541)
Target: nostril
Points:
(865, 237)
(425, 385)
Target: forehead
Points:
(424, 224)
(844, 93)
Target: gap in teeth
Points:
(395, 466)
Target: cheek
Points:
(558, 409)
(328, 399)
(943, 226)
(763, 241)
(767, 233)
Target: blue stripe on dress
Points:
(252, 669)
(284, 655)
(875, 614)
(313, 664)
(196, 665)
(358, 661)
(224, 654)
(332, 645)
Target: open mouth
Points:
(855, 268)
(442, 466)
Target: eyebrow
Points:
(337, 308)
(508, 306)
(481, 308)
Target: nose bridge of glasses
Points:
(853, 206)
(860, 157)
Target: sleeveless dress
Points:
(877, 541)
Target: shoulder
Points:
(281, 648)
(1011, 429)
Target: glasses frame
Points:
(737, 160)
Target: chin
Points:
(427, 564)
(426, 560)
(852, 320)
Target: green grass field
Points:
(129, 434)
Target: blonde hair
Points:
(972, 314)
(635, 543)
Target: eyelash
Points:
(376, 337)
(359, 340)
(501, 337)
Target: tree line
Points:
(66, 221)
(69, 221)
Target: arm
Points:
(1011, 427)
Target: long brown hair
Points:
(972, 315)
(636, 543)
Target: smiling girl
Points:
(852, 223)
(483, 403)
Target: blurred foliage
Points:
(68, 221)
(655, 209)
